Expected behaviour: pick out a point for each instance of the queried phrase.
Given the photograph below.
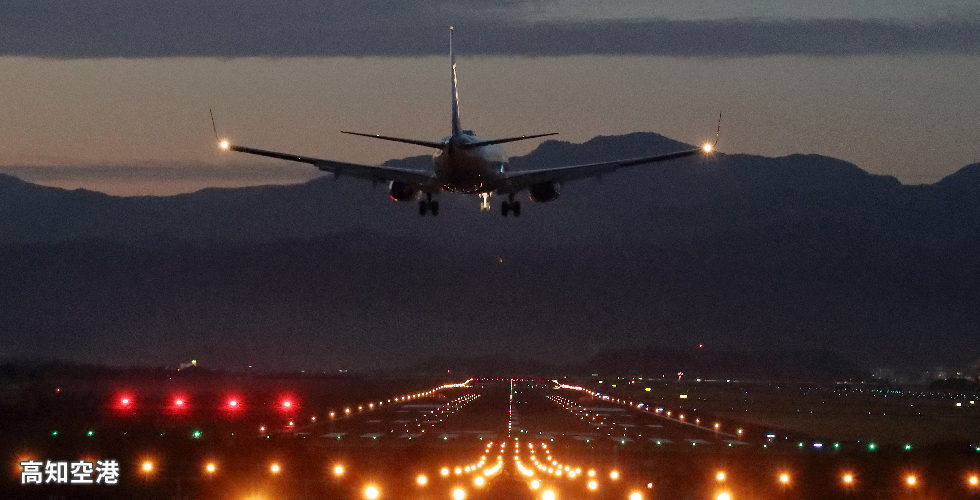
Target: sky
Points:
(113, 95)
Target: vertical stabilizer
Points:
(452, 61)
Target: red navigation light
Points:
(233, 404)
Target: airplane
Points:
(468, 164)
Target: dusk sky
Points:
(113, 95)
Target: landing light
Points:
(707, 147)
(224, 144)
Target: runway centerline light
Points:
(636, 496)
(720, 476)
(723, 496)
(338, 470)
(421, 480)
(371, 493)
(614, 475)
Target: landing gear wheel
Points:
(423, 208)
(434, 207)
(504, 208)
(515, 206)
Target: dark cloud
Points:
(226, 28)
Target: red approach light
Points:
(125, 402)
(233, 404)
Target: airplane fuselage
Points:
(469, 171)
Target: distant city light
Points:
(275, 468)
(548, 495)
(724, 496)
(784, 478)
(910, 480)
(421, 480)
(459, 494)
(210, 468)
(338, 470)
(720, 476)
(636, 496)
(147, 466)
(371, 493)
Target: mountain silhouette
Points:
(802, 253)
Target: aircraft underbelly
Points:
(466, 173)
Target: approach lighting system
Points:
(371, 493)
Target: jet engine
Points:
(544, 191)
(400, 191)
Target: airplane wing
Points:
(369, 172)
(518, 181)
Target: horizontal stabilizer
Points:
(480, 144)
(428, 144)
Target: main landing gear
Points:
(510, 206)
(428, 205)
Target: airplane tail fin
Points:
(457, 131)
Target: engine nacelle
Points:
(544, 191)
(400, 191)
